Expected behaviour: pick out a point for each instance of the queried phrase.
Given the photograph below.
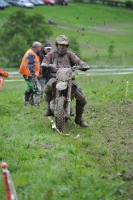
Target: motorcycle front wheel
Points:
(60, 117)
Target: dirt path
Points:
(104, 29)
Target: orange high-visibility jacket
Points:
(3, 73)
(24, 68)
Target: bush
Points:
(19, 32)
(129, 4)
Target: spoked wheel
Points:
(60, 118)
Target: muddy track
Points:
(104, 29)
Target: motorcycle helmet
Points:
(62, 39)
(62, 43)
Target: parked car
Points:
(49, 2)
(5, 3)
(40, 2)
(13, 2)
(2, 5)
(34, 2)
(62, 2)
(25, 4)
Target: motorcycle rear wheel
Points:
(60, 118)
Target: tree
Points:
(21, 29)
(74, 46)
(16, 47)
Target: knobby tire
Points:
(60, 119)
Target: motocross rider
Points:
(61, 57)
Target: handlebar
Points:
(82, 68)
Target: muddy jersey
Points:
(67, 60)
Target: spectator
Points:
(30, 68)
(47, 48)
(3, 74)
(44, 73)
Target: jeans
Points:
(43, 80)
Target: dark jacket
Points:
(43, 72)
(41, 55)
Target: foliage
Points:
(74, 46)
(93, 163)
(129, 4)
(121, 3)
(16, 47)
(19, 32)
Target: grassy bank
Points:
(96, 28)
(93, 163)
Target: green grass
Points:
(45, 165)
(97, 165)
(94, 43)
(73, 15)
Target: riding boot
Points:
(79, 111)
(48, 111)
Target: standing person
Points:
(3, 74)
(30, 68)
(61, 57)
(44, 73)
(47, 48)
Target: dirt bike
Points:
(51, 22)
(63, 92)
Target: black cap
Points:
(48, 46)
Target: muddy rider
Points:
(61, 57)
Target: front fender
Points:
(61, 85)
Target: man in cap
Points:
(47, 48)
(44, 73)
